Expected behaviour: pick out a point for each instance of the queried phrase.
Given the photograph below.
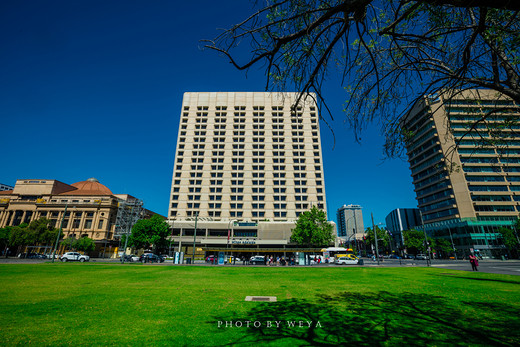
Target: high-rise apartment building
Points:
(464, 154)
(246, 165)
(350, 223)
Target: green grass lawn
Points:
(113, 304)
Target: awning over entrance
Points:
(261, 250)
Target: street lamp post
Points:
(347, 229)
(229, 234)
(425, 240)
(375, 236)
(390, 238)
(452, 244)
(355, 231)
(194, 238)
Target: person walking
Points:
(474, 262)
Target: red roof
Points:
(89, 187)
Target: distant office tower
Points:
(402, 219)
(350, 223)
(245, 167)
(466, 193)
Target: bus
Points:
(331, 253)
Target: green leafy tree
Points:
(312, 229)
(84, 244)
(42, 231)
(383, 239)
(21, 237)
(389, 53)
(4, 237)
(414, 241)
(48, 237)
(149, 232)
(68, 243)
(442, 247)
(510, 240)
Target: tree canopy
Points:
(442, 247)
(41, 231)
(388, 53)
(149, 232)
(414, 241)
(83, 244)
(4, 237)
(510, 240)
(383, 239)
(312, 229)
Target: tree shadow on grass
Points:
(375, 319)
(480, 278)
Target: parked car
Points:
(74, 256)
(393, 256)
(352, 260)
(211, 259)
(421, 257)
(257, 260)
(408, 256)
(36, 256)
(150, 258)
(131, 257)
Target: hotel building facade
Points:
(246, 166)
(464, 155)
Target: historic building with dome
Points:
(87, 208)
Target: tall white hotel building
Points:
(245, 168)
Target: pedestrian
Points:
(474, 262)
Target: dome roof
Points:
(89, 187)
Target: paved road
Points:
(508, 267)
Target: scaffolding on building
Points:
(128, 213)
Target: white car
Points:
(74, 256)
(347, 261)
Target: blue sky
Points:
(94, 89)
